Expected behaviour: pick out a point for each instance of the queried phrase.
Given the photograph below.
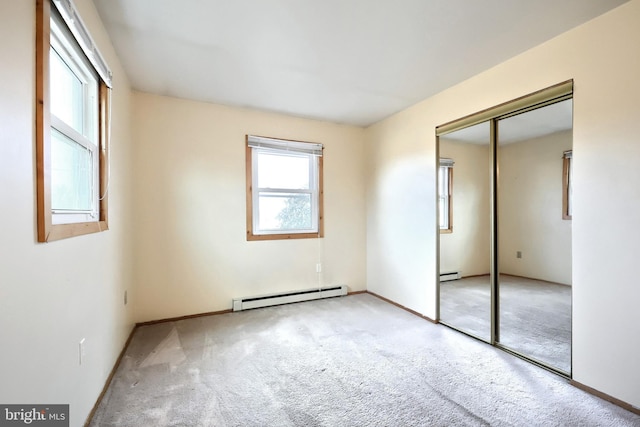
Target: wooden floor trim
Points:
(189, 316)
(210, 313)
(517, 277)
(538, 280)
(605, 396)
(471, 276)
(110, 378)
(402, 307)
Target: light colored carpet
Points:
(349, 361)
(535, 316)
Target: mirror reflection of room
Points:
(465, 282)
(535, 234)
(531, 314)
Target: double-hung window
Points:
(445, 187)
(284, 189)
(72, 90)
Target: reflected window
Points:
(567, 184)
(445, 191)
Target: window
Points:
(445, 190)
(567, 184)
(72, 125)
(284, 189)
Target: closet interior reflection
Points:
(505, 226)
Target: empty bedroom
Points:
(306, 213)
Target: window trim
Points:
(567, 172)
(448, 164)
(46, 230)
(251, 236)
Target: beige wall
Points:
(183, 204)
(401, 165)
(192, 255)
(467, 248)
(530, 209)
(54, 294)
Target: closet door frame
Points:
(550, 95)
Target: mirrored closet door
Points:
(504, 199)
(534, 234)
(465, 242)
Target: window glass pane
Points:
(66, 93)
(71, 176)
(283, 171)
(281, 211)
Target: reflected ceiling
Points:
(554, 118)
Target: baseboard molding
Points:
(475, 275)
(189, 316)
(516, 276)
(401, 306)
(210, 313)
(621, 403)
(532, 278)
(110, 377)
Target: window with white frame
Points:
(284, 189)
(445, 186)
(73, 90)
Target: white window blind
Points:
(284, 145)
(72, 18)
(448, 163)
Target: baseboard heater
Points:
(446, 277)
(240, 304)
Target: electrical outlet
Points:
(519, 254)
(81, 351)
(125, 297)
(319, 268)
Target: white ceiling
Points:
(344, 61)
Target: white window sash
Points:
(61, 40)
(64, 216)
(569, 156)
(313, 191)
(444, 188)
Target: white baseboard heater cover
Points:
(454, 275)
(247, 303)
